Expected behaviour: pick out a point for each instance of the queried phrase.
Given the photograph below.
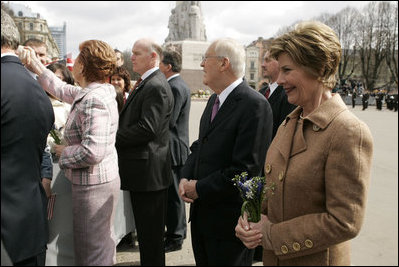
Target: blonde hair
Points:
(98, 60)
(313, 46)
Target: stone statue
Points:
(186, 22)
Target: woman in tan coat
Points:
(319, 161)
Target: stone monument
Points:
(187, 35)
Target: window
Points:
(252, 76)
(31, 26)
(20, 14)
(252, 64)
(41, 27)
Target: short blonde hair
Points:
(98, 59)
(313, 46)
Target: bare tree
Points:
(392, 43)
(127, 63)
(372, 41)
(345, 23)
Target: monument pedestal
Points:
(191, 52)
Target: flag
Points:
(69, 61)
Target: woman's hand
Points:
(28, 57)
(249, 233)
(47, 186)
(58, 149)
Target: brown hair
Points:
(313, 46)
(124, 74)
(98, 60)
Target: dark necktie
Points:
(135, 86)
(215, 108)
(267, 93)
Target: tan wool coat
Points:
(321, 170)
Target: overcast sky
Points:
(120, 23)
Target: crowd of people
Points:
(113, 136)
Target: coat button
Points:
(296, 246)
(316, 128)
(284, 249)
(281, 176)
(268, 168)
(308, 243)
(205, 140)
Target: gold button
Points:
(268, 168)
(316, 128)
(284, 249)
(296, 246)
(308, 243)
(281, 176)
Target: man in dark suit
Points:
(26, 119)
(142, 142)
(365, 100)
(275, 93)
(176, 226)
(235, 133)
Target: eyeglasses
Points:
(204, 58)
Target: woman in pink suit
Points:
(89, 159)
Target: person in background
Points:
(176, 226)
(354, 95)
(26, 119)
(319, 160)
(277, 98)
(62, 72)
(142, 142)
(89, 159)
(275, 93)
(121, 78)
(40, 49)
(235, 133)
(119, 58)
(60, 246)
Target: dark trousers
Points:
(214, 250)
(149, 209)
(38, 260)
(176, 226)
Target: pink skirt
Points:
(93, 215)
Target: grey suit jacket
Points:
(179, 122)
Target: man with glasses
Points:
(235, 133)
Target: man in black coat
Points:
(275, 93)
(142, 142)
(26, 119)
(176, 226)
(365, 100)
(234, 135)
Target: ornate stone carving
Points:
(186, 22)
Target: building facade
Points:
(31, 25)
(255, 52)
(59, 35)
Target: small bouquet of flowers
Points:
(253, 192)
(55, 135)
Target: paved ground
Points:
(377, 243)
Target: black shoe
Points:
(172, 246)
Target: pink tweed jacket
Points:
(90, 155)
